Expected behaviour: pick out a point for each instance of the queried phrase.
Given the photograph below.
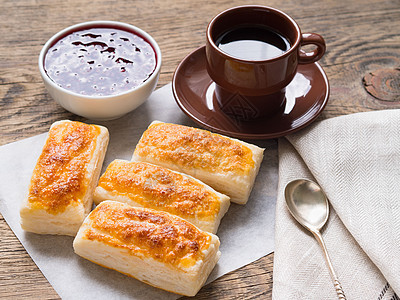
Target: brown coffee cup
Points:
(250, 88)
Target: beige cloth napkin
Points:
(356, 160)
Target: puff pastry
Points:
(155, 247)
(146, 185)
(63, 180)
(228, 165)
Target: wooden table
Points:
(363, 52)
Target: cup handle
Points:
(316, 54)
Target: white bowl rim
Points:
(88, 24)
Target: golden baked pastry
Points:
(228, 165)
(155, 247)
(65, 175)
(147, 185)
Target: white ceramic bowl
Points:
(100, 107)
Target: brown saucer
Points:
(306, 97)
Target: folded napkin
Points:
(356, 160)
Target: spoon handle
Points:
(338, 286)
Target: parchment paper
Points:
(246, 232)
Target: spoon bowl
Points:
(309, 205)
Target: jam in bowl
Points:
(101, 69)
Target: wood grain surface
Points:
(362, 37)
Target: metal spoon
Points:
(308, 204)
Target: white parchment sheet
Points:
(246, 232)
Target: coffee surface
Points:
(253, 42)
(100, 61)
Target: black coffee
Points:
(253, 42)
